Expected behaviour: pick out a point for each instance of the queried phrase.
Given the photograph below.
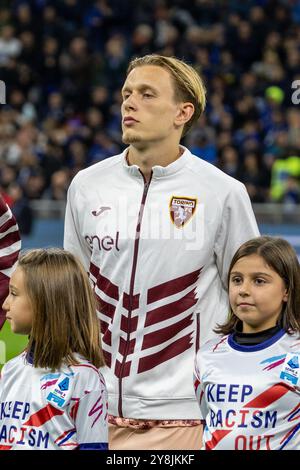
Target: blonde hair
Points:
(188, 85)
(64, 309)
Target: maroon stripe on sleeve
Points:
(103, 326)
(106, 338)
(107, 357)
(105, 308)
(104, 283)
(3, 207)
(107, 287)
(11, 222)
(9, 239)
(94, 270)
(8, 261)
(171, 310)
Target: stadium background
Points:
(63, 63)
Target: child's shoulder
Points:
(86, 373)
(215, 346)
(70, 383)
(12, 364)
(295, 336)
(293, 340)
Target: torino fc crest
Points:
(182, 209)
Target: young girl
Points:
(248, 381)
(53, 396)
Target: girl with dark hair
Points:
(247, 381)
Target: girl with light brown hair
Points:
(56, 392)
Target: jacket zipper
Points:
(131, 288)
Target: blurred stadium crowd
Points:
(64, 61)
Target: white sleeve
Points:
(73, 239)
(91, 421)
(238, 225)
(199, 390)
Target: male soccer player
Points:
(156, 228)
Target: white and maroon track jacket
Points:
(157, 254)
(10, 245)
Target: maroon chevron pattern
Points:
(172, 287)
(169, 311)
(172, 350)
(106, 308)
(154, 339)
(178, 314)
(128, 325)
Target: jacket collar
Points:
(158, 171)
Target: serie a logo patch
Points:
(58, 388)
(182, 210)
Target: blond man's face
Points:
(149, 109)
